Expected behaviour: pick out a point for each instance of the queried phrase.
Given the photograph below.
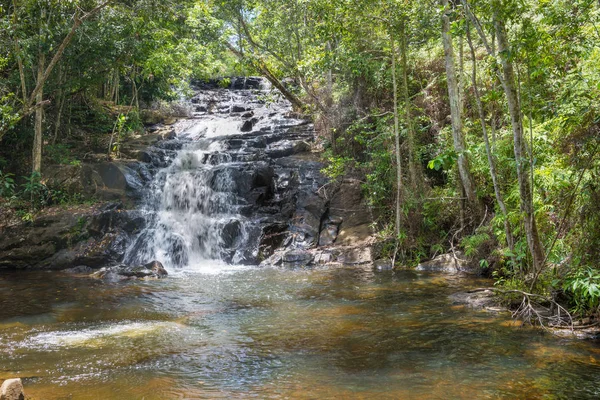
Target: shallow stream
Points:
(217, 331)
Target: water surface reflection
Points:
(236, 333)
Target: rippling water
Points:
(217, 331)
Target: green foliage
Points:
(336, 165)
(7, 184)
(584, 287)
(34, 191)
(444, 161)
(472, 244)
(225, 83)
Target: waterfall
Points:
(209, 203)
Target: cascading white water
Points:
(193, 208)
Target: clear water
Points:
(217, 331)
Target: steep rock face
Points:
(59, 239)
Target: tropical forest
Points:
(299, 199)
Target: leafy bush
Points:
(34, 190)
(7, 184)
(584, 287)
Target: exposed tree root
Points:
(535, 308)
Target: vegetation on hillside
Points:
(475, 124)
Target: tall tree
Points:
(519, 145)
(466, 178)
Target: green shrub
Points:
(583, 286)
(7, 184)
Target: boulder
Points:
(328, 234)
(355, 255)
(383, 264)
(297, 258)
(152, 270)
(238, 108)
(12, 389)
(231, 232)
(448, 263)
(348, 205)
(275, 260)
(246, 126)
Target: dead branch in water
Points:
(537, 308)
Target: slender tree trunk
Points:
(329, 99)
(415, 176)
(399, 185)
(36, 158)
(461, 75)
(134, 89)
(490, 156)
(296, 102)
(39, 115)
(455, 111)
(61, 103)
(531, 231)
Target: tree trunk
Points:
(329, 99)
(508, 82)
(296, 102)
(39, 115)
(455, 110)
(36, 157)
(399, 185)
(490, 156)
(61, 103)
(415, 176)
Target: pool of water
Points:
(246, 332)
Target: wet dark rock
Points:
(152, 270)
(328, 234)
(79, 270)
(230, 233)
(248, 114)
(272, 237)
(287, 148)
(250, 82)
(263, 176)
(91, 237)
(297, 258)
(238, 108)
(178, 251)
(247, 126)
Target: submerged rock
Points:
(477, 300)
(383, 264)
(12, 389)
(152, 270)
